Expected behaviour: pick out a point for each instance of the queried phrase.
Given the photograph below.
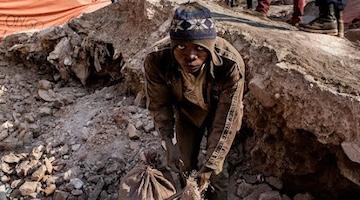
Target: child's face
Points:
(190, 56)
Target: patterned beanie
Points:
(192, 22)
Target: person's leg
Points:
(263, 6)
(188, 138)
(298, 11)
(326, 23)
(219, 185)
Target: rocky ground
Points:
(70, 133)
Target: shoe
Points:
(326, 23)
(294, 21)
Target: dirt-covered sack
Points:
(145, 183)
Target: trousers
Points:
(189, 139)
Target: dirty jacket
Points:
(223, 92)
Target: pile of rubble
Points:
(31, 174)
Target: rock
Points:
(138, 124)
(50, 189)
(244, 190)
(149, 127)
(11, 158)
(76, 192)
(275, 182)
(109, 96)
(29, 118)
(37, 152)
(29, 188)
(75, 147)
(258, 88)
(6, 168)
(6, 125)
(285, 197)
(93, 195)
(305, 196)
(60, 195)
(76, 183)
(16, 183)
(258, 190)
(5, 179)
(132, 109)
(270, 195)
(251, 178)
(104, 195)
(48, 95)
(2, 188)
(155, 133)
(352, 151)
(16, 98)
(134, 145)
(64, 150)
(39, 174)
(45, 111)
(3, 134)
(3, 196)
(49, 166)
(112, 168)
(45, 84)
(50, 179)
(132, 132)
(26, 167)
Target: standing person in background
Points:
(330, 20)
(298, 10)
(194, 85)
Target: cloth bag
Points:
(145, 182)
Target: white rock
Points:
(49, 166)
(39, 173)
(11, 158)
(77, 183)
(149, 127)
(5, 179)
(45, 111)
(6, 168)
(132, 132)
(75, 147)
(44, 84)
(37, 152)
(50, 189)
(28, 188)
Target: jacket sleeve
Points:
(158, 95)
(227, 119)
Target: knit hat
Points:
(192, 22)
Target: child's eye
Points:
(200, 48)
(179, 46)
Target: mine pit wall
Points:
(298, 125)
